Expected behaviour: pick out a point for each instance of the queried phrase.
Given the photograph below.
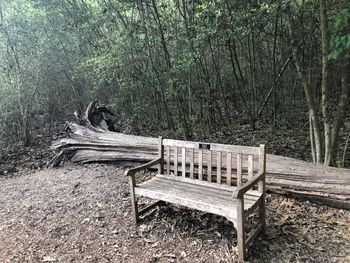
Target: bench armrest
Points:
(132, 171)
(240, 191)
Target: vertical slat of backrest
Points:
(250, 166)
(191, 163)
(183, 162)
(168, 159)
(218, 167)
(229, 168)
(200, 164)
(176, 161)
(261, 186)
(262, 167)
(239, 169)
(161, 155)
(209, 163)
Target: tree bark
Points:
(331, 127)
(284, 175)
(325, 82)
(343, 104)
(315, 134)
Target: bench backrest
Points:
(212, 162)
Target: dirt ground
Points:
(83, 214)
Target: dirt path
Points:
(82, 214)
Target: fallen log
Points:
(327, 185)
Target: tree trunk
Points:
(342, 106)
(315, 182)
(325, 81)
(315, 133)
(331, 128)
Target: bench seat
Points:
(200, 195)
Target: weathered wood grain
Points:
(229, 169)
(327, 185)
(183, 162)
(176, 161)
(200, 164)
(239, 169)
(209, 165)
(191, 163)
(218, 167)
(197, 196)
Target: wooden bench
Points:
(226, 180)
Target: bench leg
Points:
(133, 200)
(262, 216)
(240, 229)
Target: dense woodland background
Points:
(182, 68)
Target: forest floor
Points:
(83, 214)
